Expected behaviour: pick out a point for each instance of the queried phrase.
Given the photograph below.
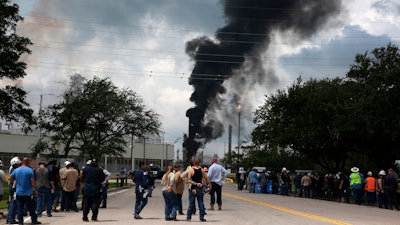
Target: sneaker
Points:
(49, 215)
(37, 222)
(203, 220)
(85, 220)
(95, 220)
(138, 217)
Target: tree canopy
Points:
(94, 116)
(14, 107)
(338, 122)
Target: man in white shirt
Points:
(216, 174)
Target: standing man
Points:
(196, 176)
(356, 181)
(141, 189)
(122, 176)
(70, 177)
(390, 182)
(370, 188)
(253, 177)
(93, 177)
(54, 173)
(12, 204)
(45, 186)
(180, 187)
(104, 188)
(216, 174)
(284, 182)
(240, 177)
(25, 190)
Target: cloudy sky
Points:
(141, 45)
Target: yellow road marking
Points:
(320, 218)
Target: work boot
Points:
(219, 206)
(211, 207)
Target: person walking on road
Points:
(93, 177)
(196, 176)
(25, 190)
(216, 174)
(141, 189)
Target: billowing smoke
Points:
(236, 52)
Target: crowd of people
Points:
(46, 189)
(382, 191)
(199, 181)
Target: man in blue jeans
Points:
(25, 190)
(44, 189)
(196, 176)
(253, 177)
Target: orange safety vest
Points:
(370, 184)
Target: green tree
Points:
(14, 107)
(309, 120)
(93, 118)
(378, 75)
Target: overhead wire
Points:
(86, 51)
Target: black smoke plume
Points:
(238, 47)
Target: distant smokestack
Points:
(238, 47)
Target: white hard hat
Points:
(15, 161)
(382, 173)
(66, 163)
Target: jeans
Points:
(170, 204)
(103, 199)
(284, 189)
(140, 202)
(357, 196)
(30, 204)
(370, 197)
(252, 188)
(91, 202)
(307, 191)
(382, 200)
(179, 203)
(200, 200)
(12, 206)
(44, 196)
(56, 196)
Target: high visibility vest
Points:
(370, 184)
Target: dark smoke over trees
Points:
(237, 48)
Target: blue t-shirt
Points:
(23, 176)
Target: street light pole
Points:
(239, 107)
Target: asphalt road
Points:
(239, 207)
